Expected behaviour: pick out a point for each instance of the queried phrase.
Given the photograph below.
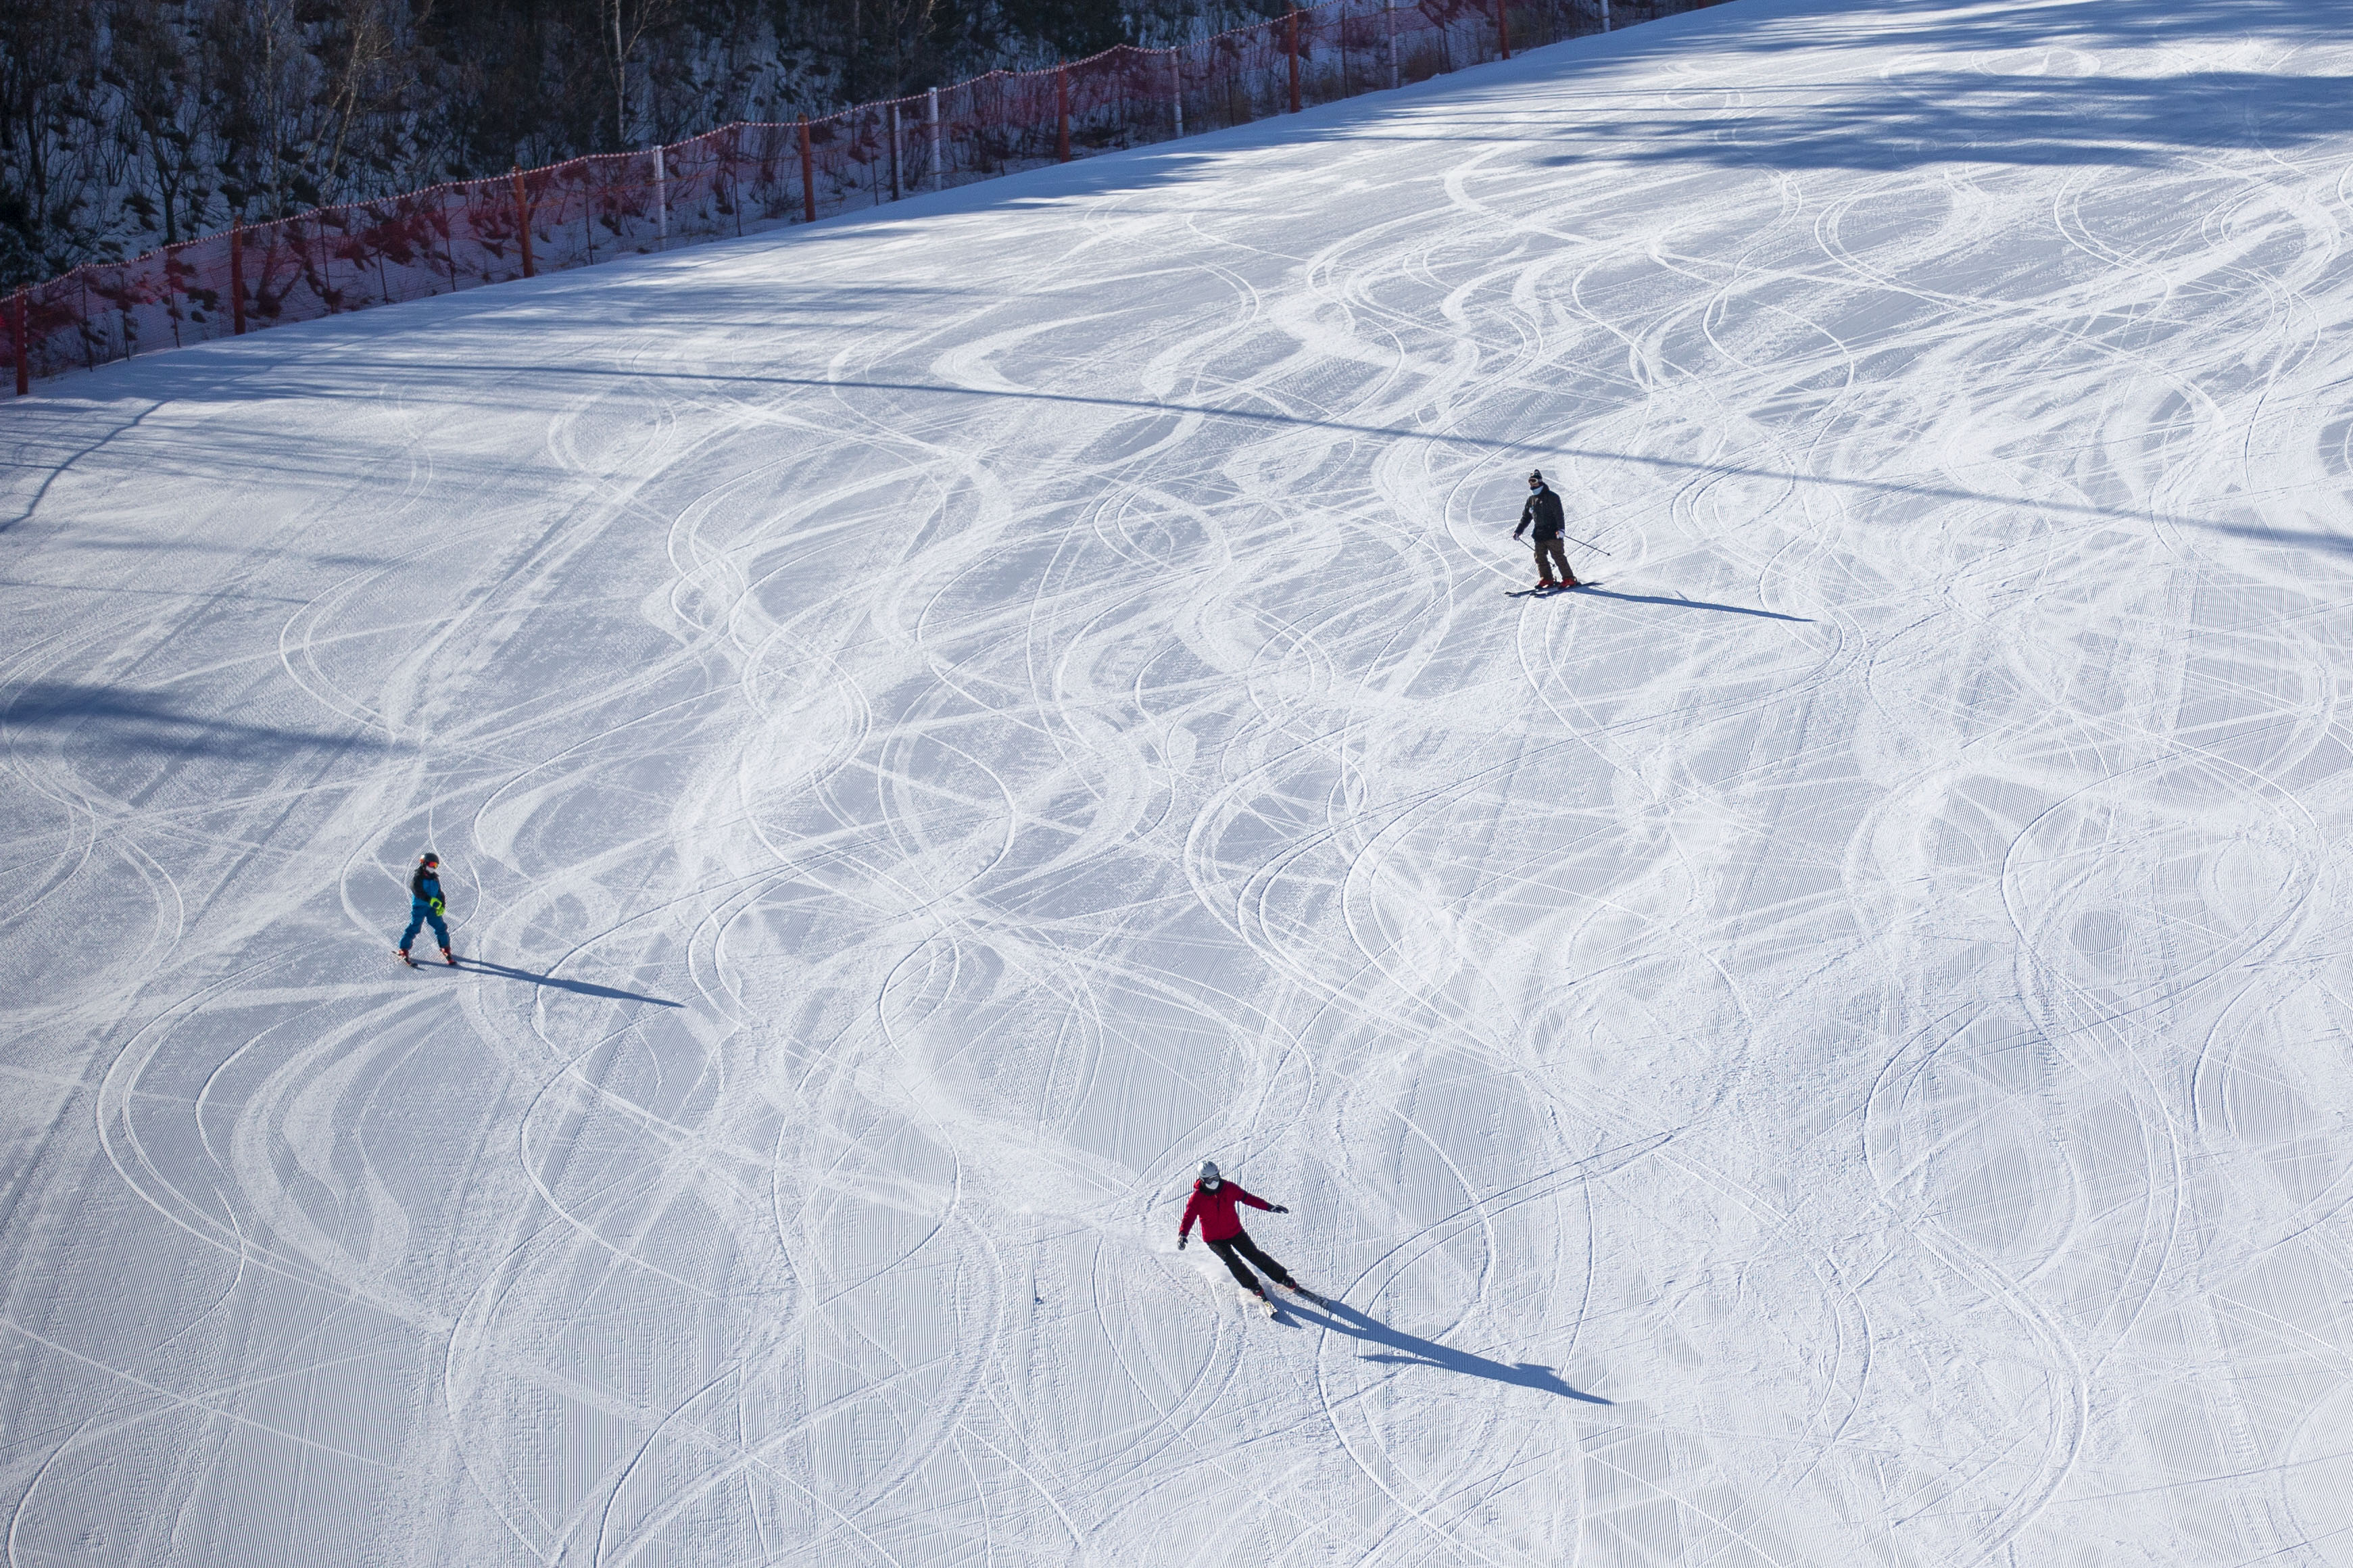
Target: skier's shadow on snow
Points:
(1691, 604)
(579, 987)
(1429, 1352)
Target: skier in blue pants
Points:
(424, 904)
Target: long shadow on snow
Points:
(1592, 593)
(1817, 27)
(2263, 533)
(579, 987)
(1533, 446)
(109, 589)
(123, 719)
(1417, 1352)
(1924, 118)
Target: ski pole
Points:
(1589, 545)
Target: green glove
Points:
(435, 905)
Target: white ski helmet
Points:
(1209, 1172)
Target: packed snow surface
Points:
(1829, 1048)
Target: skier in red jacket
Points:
(1212, 1204)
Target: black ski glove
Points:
(1181, 1241)
(1277, 1209)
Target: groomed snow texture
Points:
(1828, 1048)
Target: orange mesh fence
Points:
(745, 177)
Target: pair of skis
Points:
(1267, 1305)
(1544, 593)
(409, 959)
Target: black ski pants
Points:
(1235, 1249)
(1552, 561)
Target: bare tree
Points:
(632, 20)
(48, 83)
(163, 118)
(358, 56)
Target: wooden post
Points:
(1388, 10)
(1605, 15)
(895, 191)
(662, 201)
(1291, 47)
(1176, 78)
(17, 331)
(237, 279)
(932, 113)
(523, 223)
(1063, 114)
(1503, 28)
(808, 177)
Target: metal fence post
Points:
(1605, 15)
(1388, 14)
(894, 150)
(17, 331)
(662, 202)
(931, 114)
(1176, 76)
(1063, 114)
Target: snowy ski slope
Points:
(1830, 1049)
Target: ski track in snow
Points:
(1828, 1047)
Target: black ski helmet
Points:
(429, 858)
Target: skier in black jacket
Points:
(1542, 514)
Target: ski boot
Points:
(402, 953)
(448, 958)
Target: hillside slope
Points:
(1829, 1047)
